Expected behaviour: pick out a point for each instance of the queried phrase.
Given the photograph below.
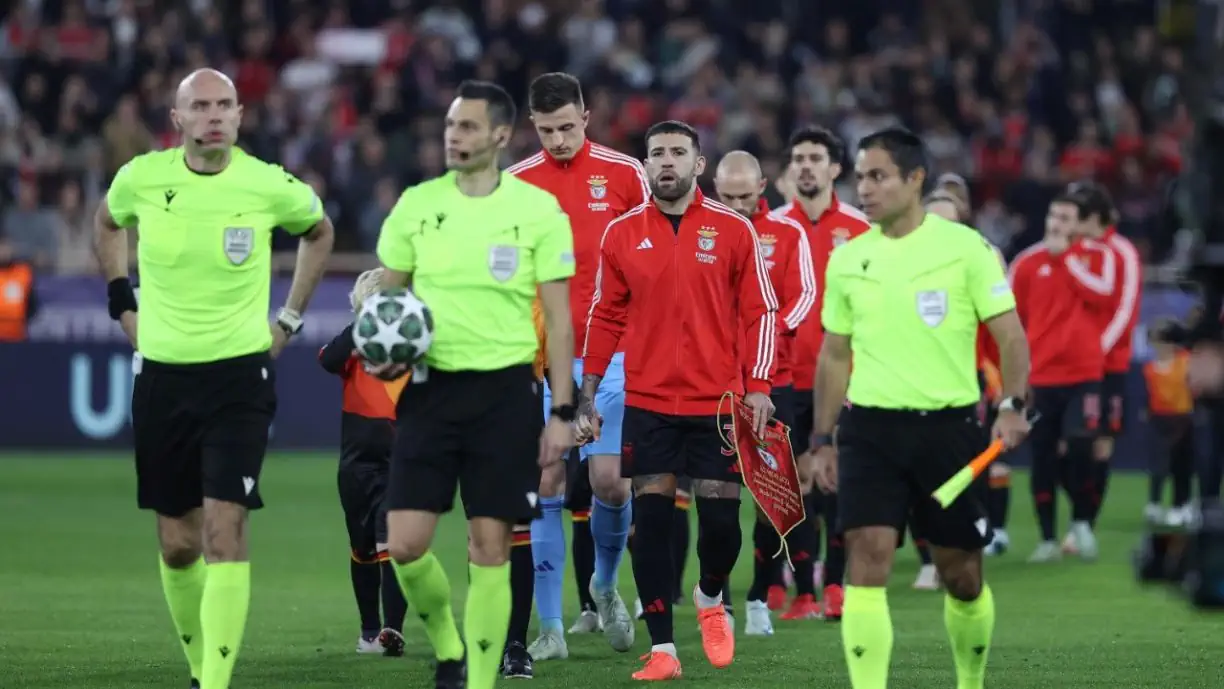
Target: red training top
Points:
(837, 225)
(788, 258)
(595, 186)
(675, 289)
(1119, 325)
(1057, 299)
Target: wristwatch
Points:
(1012, 404)
(290, 321)
(819, 440)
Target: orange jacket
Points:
(16, 288)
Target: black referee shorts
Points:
(889, 463)
(475, 431)
(201, 431)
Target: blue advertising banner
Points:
(69, 387)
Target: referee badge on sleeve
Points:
(239, 242)
(503, 261)
(932, 306)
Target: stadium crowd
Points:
(1018, 96)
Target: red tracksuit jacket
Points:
(679, 293)
(788, 258)
(594, 187)
(1119, 320)
(837, 225)
(1057, 299)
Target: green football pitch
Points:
(81, 606)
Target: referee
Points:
(204, 394)
(477, 245)
(904, 301)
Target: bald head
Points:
(739, 182)
(206, 79)
(738, 164)
(207, 112)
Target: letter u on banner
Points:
(91, 423)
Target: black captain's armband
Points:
(565, 412)
(120, 298)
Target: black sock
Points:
(765, 545)
(367, 578)
(835, 549)
(923, 548)
(393, 603)
(680, 546)
(654, 563)
(803, 544)
(1080, 475)
(997, 501)
(583, 549)
(522, 585)
(718, 542)
(1100, 485)
(1181, 469)
(728, 602)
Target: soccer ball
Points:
(393, 326)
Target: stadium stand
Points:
(1017, 96)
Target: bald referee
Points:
(904, 300)
(204, 394)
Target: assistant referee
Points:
(904, 300)
(476, 245)
(204, 394)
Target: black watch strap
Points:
(564, 412)
(819, 440)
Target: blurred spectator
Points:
(1016, 96)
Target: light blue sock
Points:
(610, 532)
(548, 552)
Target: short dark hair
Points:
(552, 91)
(502, 111)
(903, 146)
(820, 136)
(1091, 199)
(674, 127)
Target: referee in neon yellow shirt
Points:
(904, 301)
(204, 394)
(475, 245)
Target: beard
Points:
(673, 192)
(810, 192)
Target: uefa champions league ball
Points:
(393, 326)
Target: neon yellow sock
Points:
(970, 626)
(486, 617)
(223, 616)
(428, 592)
(184, 589)
(867, 636)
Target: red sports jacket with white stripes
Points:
(1120, 319)
(676, 291)
(1058, 299)
(594, 187)
(788, 258)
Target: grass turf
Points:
(81, 605)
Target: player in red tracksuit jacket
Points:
(594, 184)
(1117, 325)
(674, 274)
(1060, 284)
(816, 156)
(788, 258)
